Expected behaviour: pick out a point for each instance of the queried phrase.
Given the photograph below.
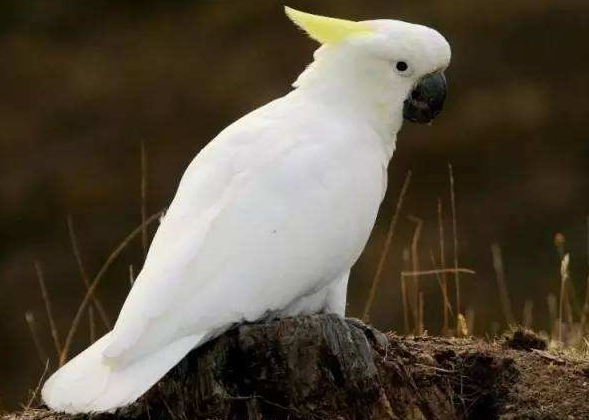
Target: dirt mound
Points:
(524, 339)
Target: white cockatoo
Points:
(272, 214)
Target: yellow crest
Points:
(324, 29)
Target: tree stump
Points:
(329, 368)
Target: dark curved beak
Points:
(426, 100)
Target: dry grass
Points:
(414, 292)
(437, 271)
(63, 351)
(442, 278)
(48, 309)
(564, 275)
(411, 295)
(90, 302)
(84, 275)
(144, 238)
(454, 236)
(93, 286)
(502, 285)
(407, 266)
(35, 394)
(528, 315)
(447, 305)
(131, 275)
(91, 324)
(385, 252)
(570, 325)
(32, 323)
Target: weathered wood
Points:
(325, 367)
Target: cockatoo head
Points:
(390, 59)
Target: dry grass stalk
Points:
(461, 326)
(470, 316)
(559, 241)
(414, 289)
(144, 238)
(83, 305)
(35, 393)
(564, 276)
(386, 249)
(436, 272)
(454, 236)
(48, 309)
(32, 323)
(406, 263)
(91, 324)
(552, 303)
(585, 310)
(528, 315)
(131, 275)
(420, 321)
(568, 293)
(84, 275)
(447, 305)
(501, 284)
(442, 277)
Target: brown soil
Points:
(324, 367)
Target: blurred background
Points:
(85, 83)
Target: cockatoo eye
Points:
(402, 68)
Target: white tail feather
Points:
(86, 384)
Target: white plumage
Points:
(268, 218)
